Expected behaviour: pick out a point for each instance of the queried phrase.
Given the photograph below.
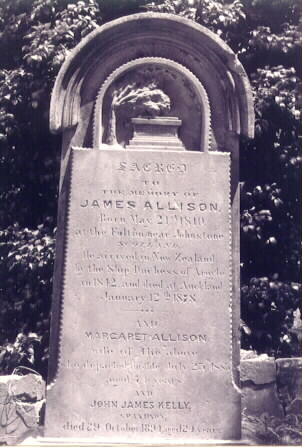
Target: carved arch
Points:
(152, 35)
(201, 94)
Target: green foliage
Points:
(217, 15)
(35, 38)
(185, 8)
(270, 226)
(221, 17)
(40, 34)
(54, 32)
(113, 9)
(268, 305)
(22, 352)
(262, 39)
(26, 267)
(277, 87)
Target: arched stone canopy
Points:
(145, 35)
(197, 95)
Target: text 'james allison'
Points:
(150, 205)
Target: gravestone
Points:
(145, 316)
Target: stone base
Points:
(94, 442)
(259, 387)
(156, 134)
(148, 147)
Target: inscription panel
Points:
(145, 350)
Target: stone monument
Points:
(145, 316)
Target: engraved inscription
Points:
(147, 273)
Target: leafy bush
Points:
(268, 305)
(22, 352)
(26, 279)
(219, 16)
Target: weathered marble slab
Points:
(145, 349)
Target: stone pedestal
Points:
(158, 133)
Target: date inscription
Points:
(146, 350)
